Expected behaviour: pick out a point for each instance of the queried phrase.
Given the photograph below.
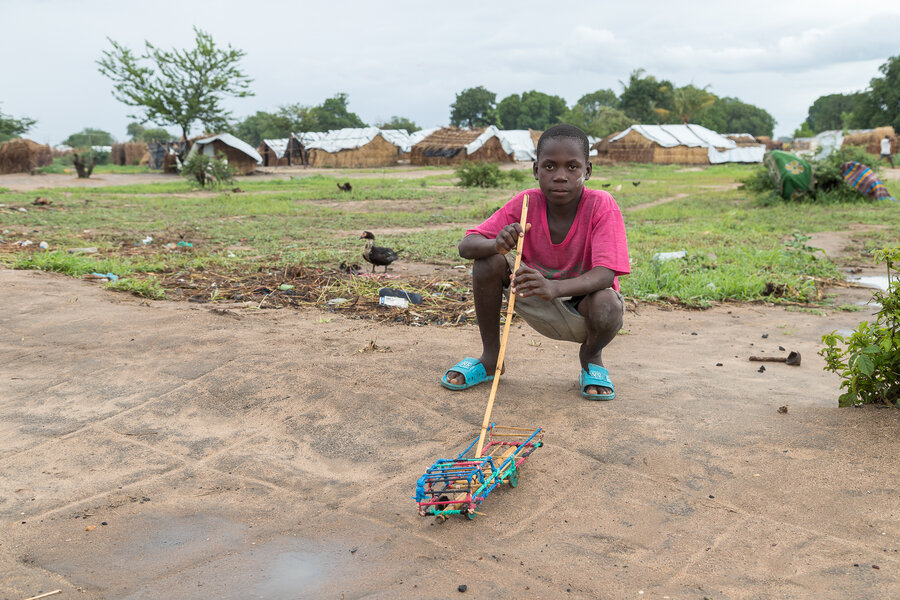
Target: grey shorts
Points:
(558, 319)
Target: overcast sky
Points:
(411, 58)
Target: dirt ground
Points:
(160, 450)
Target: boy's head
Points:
(562, 165)
(562, 131)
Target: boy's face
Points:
(561, 170)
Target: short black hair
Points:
(565, 131)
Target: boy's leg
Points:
(489, 276)
(602, 311)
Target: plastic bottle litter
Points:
(285, 287)
(24, 243)
(109, 276)
(411, 297)
(44, 245)
(393, 301)
(666, 256)
(147, 240)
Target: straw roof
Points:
(453, 139)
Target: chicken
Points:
(345, 187)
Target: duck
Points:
(377, 255)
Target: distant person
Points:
(886, 150)
(567, 286)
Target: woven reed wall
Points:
(377, 153)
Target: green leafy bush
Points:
(869, 361)
(489, 175)
(207, 170)
(484, 175)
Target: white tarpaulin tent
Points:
(352, 138)
(487, 134)
(205, 145)
(720, 148)
(279, 146)
(521, 143)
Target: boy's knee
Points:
(604, 309)
(492, 267)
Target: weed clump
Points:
(869, 361)
(489, 175)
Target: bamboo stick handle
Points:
(509, 315)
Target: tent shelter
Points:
(675, 144)
(452, 146)
(522, 141)
(241, 156)
(358, 147)
(274, 152)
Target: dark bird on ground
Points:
(377, 255)
(606, 184)
(345, 187)
(635, 183)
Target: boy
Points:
(886, 150)
(567, 286)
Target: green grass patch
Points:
(738, 247)
(146, 288)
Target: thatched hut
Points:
(358, 147)
(870, 139)
(452, 146)
(674, 144)
(769, 142)
(241, 156)
(128, 153)
(20, 155)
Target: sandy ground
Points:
(159, 450)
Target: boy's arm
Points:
(476, 245)
(529, 282)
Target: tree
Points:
(177, 87)
(11, 127)
(333, 114)
(139, 133)
(474, 107)
(595, 100)
(509, 110)
(829, 112)
(286, 120)
(399, 123)
(643, 95)
(730, 115)
(804, 131)
(597, 121)
(689, 102)
(88, 137)
(880, 103)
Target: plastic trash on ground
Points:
(393, 301)
(410, 297)
(666, 256)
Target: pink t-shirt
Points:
(596, 238)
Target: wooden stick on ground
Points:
(509, 315)
(53, 593)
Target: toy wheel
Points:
(514, 478)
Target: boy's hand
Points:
(528, 282)
(508, 237)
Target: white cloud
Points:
(411, 58)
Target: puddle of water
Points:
(878, 282)
(289, 574)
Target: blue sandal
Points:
(597, 376)
(472, 370)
